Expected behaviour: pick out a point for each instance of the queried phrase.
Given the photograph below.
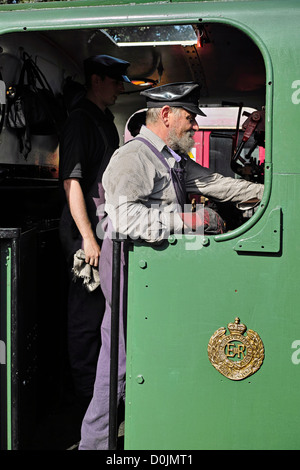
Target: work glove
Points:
(203, 221)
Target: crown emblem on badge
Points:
(237, 327)
(236, 356)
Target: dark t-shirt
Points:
(81, 145)
(81, 152)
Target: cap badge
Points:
(236, 356)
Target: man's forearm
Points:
(78, 211)
(136, 221)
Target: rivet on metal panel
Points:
(142, 263)
(172, 239)
(205, 241)
(140, 379)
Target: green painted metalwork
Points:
(5, 312)
(8, 349)
(268, 240)
(175, 305)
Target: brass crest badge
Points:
(236, 356)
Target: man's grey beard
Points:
(183, 144)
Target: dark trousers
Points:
(85, 314)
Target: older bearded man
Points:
(145, 187)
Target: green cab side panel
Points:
(175, 398)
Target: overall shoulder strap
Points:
(176, 174)
(154, 150)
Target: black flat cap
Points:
(180, 95)
(106, 65)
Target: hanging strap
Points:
(34, 74)
(2, 107)
(176, 173)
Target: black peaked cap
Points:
(106, 65)
(182, 95)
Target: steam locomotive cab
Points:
(232, 66)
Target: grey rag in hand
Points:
(85, 271)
